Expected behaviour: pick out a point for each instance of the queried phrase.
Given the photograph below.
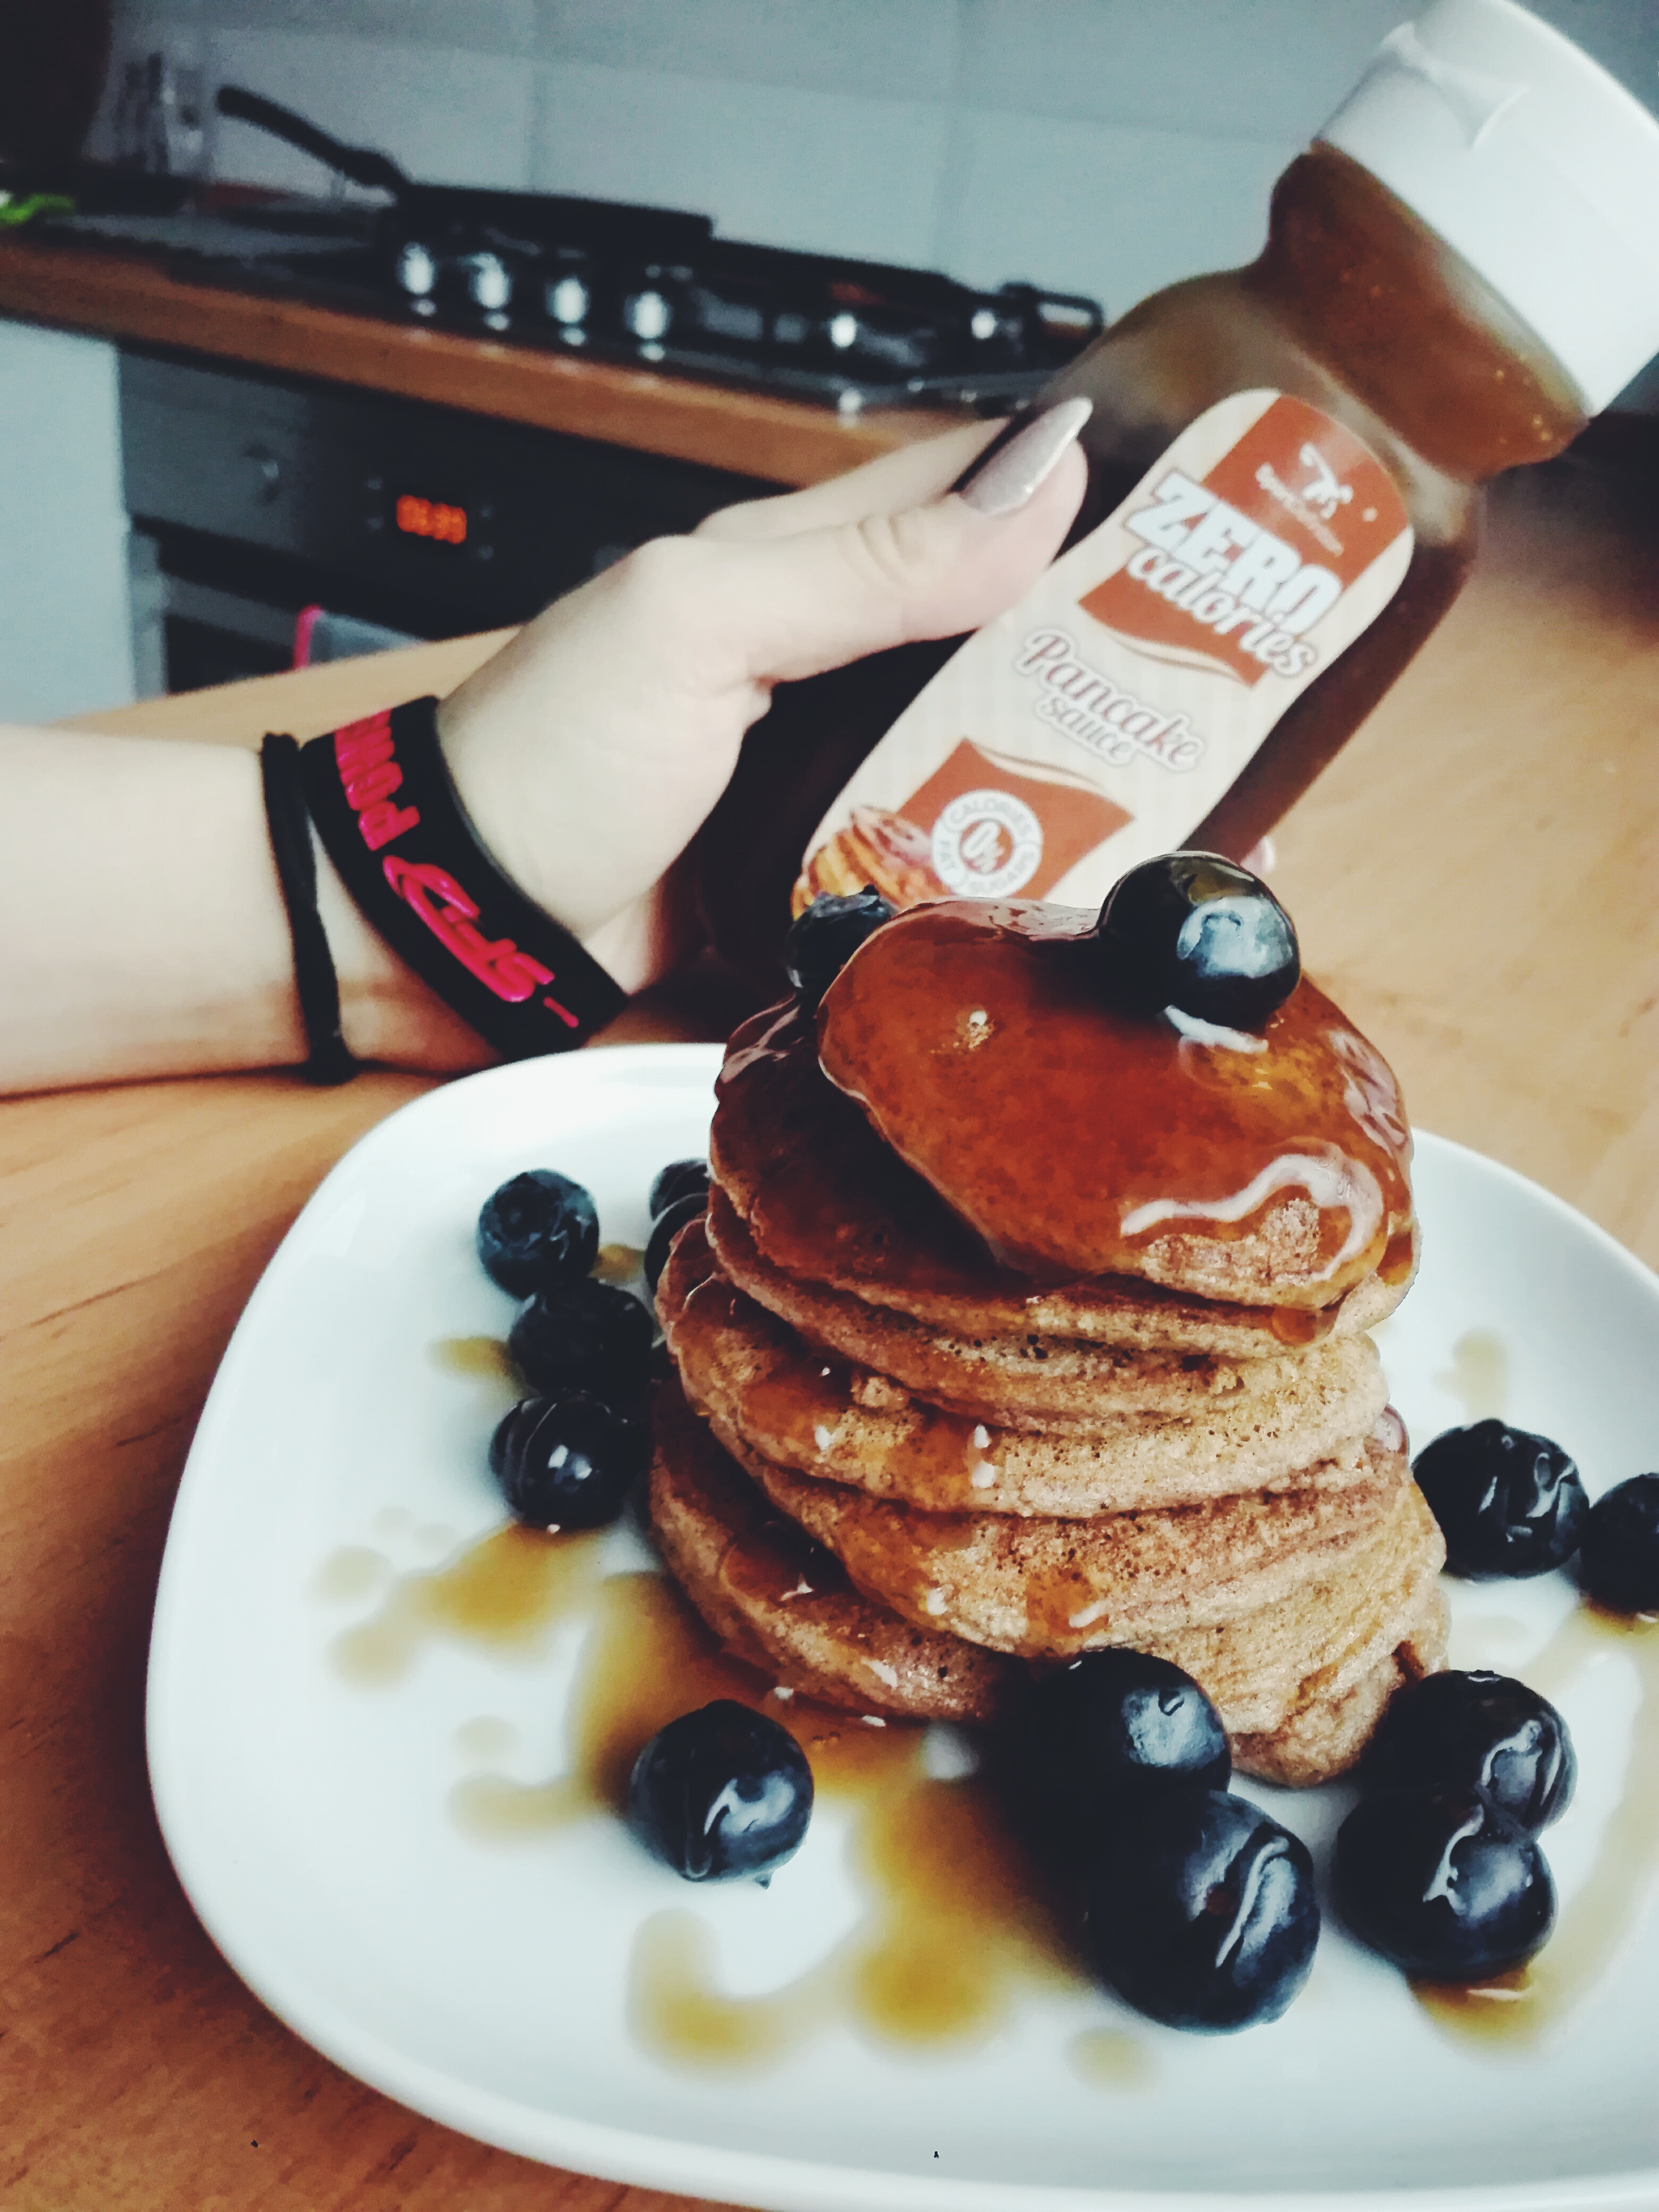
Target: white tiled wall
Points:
(1242, 68)
(1020, 194)
(446, 114)
(1108, 146)
(877, 49)
(791, 166)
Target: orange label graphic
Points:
(1097, 722)
(992, 833)
(1236, 568)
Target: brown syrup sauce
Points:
(488, 1358)
(485, 1357)
(617, 1263)
(1478, 1374)
(504, 1592)
(954, 1926)
(793, 1416)
(1112, 2060)
(1069, 1131)
(955, 1923)
(826, 1199)
(1399, 1258)
(487, 1737)
(355, 1571)
(1526, 2006)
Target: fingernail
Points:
(1014, 472)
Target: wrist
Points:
(480, 751)
(407, 858)
(386, 1012)
(628, 942)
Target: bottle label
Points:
(1098, 722)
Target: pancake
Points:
(1337, 1631)
(992, 1048)
(1023, 1321)
(743, 1368)
(1337, 1707)
(1298, 1710)
(825, 1200)
(1029, 1381)
(785, 1604)
(1048, 1589)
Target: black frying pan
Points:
(425, 210)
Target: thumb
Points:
(783, 608)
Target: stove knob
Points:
(647, 314)
(488, 282)
(843, 330)
(568, 301)
(416, 273)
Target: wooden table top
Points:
(128, 296)
(1473, 880)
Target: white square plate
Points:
(485, 1985)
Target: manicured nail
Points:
(1014, 471)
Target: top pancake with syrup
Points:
(1079, 1137)
(825, 1202)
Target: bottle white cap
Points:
(1534, 164)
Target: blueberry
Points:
(1508, 1502)
(540, 1228)
(663, 1230)
(721, 1793)
(1619, 1560)
(824, 940)
(584, 1336)
(1090, 1740)
(1444, 1883)
(503, 1442)
(1202, 1912)
(679, 1179)
(1481, 1730)
(568, 1463)
(1194, 931)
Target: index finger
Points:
(908, 476)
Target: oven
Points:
(253, 497)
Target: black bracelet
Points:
(393, 823)
(329, 1059)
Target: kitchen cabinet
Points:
(65, 626)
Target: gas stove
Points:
(645, 285)
(852, 334)
(849, 335)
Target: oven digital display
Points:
(433, 519)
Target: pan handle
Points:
(361, 164)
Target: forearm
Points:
(145, 929)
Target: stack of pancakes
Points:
(905, 1470)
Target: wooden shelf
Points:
(122, 296)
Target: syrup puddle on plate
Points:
(484, 1357)
(955, 1924)
(355, 1571)
(954, 1928)
(1523, 2008)
(1108, 2056)
(1478, 1374)
(505, 1592)
(617, 1263)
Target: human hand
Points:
(591, 748)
